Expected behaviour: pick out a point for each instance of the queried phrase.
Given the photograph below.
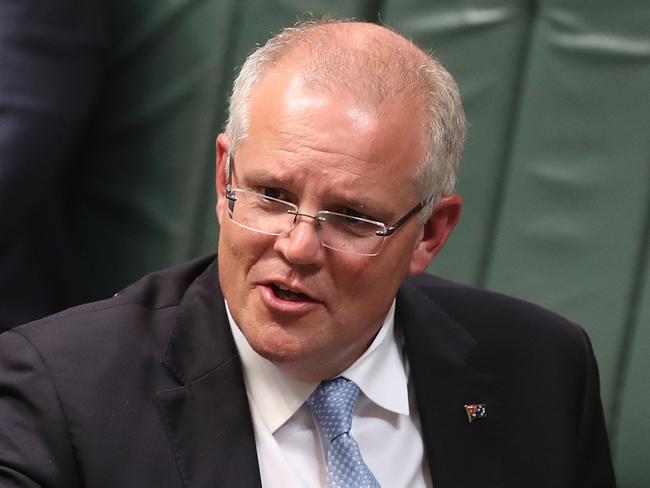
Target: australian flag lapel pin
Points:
(475, 411)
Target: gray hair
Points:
(389, 68)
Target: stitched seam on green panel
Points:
(632, 324)
(497, 203)
(208, 198)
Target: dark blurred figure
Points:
(95, 103)
(52, 58)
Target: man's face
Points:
(320, 151)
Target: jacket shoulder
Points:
(155, 291)
(493, 317)
(143, 313)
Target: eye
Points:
(350, 212)
(348, 224)
(274, 193)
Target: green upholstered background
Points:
(555, 178)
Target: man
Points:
(335, 184)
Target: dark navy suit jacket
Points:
(146, 390)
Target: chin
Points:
(270, 346)
(279, 356)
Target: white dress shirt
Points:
(385, 423)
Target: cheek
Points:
(244, 246)
(237, 255)
(372, 285)
(358, 287)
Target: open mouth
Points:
(288, 295)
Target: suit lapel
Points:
(440, 351)
(207, 417)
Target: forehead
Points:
(328, 133)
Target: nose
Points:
(300, 244)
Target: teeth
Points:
(288, 295)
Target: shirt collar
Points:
(379, 373)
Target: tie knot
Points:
(332, 404)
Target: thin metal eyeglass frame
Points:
(320, 218)
(390, 229)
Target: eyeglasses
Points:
(337, 231)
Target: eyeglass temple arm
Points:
(231, 162)
(391, 229)
(229, 194)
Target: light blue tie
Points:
(332, 404)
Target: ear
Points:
(223, 147)
(435, 233)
